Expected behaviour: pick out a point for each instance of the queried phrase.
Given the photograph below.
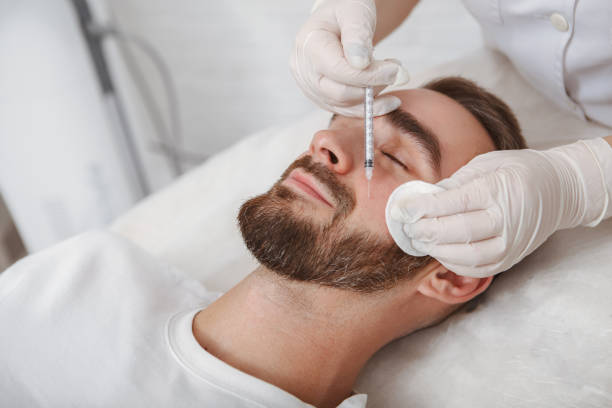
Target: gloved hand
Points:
(331, 59)
(502, 205)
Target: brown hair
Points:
(495, 116)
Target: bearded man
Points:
(96, 321)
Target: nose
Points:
(331, 149)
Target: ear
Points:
(448, 287)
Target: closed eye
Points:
(395, 160)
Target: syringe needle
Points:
(368, 174)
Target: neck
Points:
(309, 340)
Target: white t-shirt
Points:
(97, 322)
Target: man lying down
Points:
(96, 321)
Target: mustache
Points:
(343, 196)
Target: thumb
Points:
(478, 167)
(357, 22)
(463, 176)
(473, 196)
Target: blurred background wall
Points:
(189, 78)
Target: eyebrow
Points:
(406, 123)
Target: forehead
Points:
(460, 136)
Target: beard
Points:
(299, 247)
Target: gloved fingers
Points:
(339, 94)
(464, 175)
(460, 228)
(328, 57)
(357, 22)
(475, 254)
(480, 166)
(476, 168)
(473, 196)
(388, 72)
(382, 106)
(385, 104)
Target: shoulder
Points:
(94, 263)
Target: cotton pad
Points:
(404, 192)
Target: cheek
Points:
(369, 214)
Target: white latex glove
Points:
(331, 59)
(502, 205)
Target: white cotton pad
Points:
(402, 193)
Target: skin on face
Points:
(341, 149)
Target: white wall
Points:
(62, 166)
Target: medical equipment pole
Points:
(111, 97)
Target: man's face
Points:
(401, 155)
(318, 218)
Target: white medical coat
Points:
(97, 322)
(562, 47)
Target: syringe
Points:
(369, 134)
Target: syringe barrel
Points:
(369, 127)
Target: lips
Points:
(308, 185)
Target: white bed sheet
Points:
(541, 338)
